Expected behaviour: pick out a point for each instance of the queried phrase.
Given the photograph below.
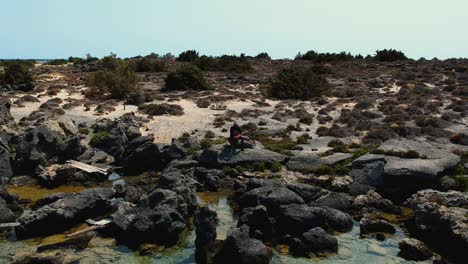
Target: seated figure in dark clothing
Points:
(235, 137)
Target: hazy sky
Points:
(60, 28)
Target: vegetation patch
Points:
(98, 138)
(161, 109)
(117, 79)
(225, 63)
(187, 77)
(298, 83)
(409, 154)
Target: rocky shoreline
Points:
(300, 197)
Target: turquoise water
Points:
(352, 249)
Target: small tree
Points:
(299, 83)
(389, 55)
(149, 65)
(187, 77)
(263, 55)
(116, 79)
(16, 72)
(188, 56)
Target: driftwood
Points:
(86, 167)
(95, 225)
(5, 225)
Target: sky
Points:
(63, 28)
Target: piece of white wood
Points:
(86, 167)
(14, 224)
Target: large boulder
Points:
(257, 219)
(160, 222)
(315, 241)
(441, 220)
(413, 249)
(184, 185)
(272, 197)
(368, 226)
(141, 155)
(6, 215)
(220, 155)
(374, 201)
(371, 174)
(205, 222)
(114, 135)
(6, 170)
(42, 146)
(65, 213)
(304, 162)
(399, 170)
(296, 219)
(239, 248)
(5, 115)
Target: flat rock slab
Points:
(398, 169)
(221, 155)
(424, 149)
(314, 161)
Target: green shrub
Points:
(303, 139)
(462, 182)
(263, 55)
(389, 55)
(410, 154)
(116, 79)
(276, 167)
(209, 134)
(98, 137)
(260, 166)
(183, 137)
(83, 130)
(187, 77)
(298, 83)
(149, 65)
(205, 143)
(225, 63)
(16, 72)
(282, 146)
(57, 62)
(188, 56)
(327, 57)
(239, 169)
(338, 146)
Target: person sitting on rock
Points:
(235, 135)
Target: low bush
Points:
(149, 65)
(187, 77)
(161, 109)
(225, 63)
(326, 57)
(117, 79)
(57, 62)
(298, 83)
(389, 55)
(338, 146)
(16, 72)
(276, 167)
(98, 137)
(263, 55)
(188, 56)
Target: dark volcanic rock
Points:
(316, 241)
(141, 155)
(440, 220)
(6, 215)
(368, 226)
(5, 115)
(258, 221)
(41, 146)
(373, 200)
(272, 197)
(239, 248)
(64, 213)
(296, 219)
(220, 155)
(413, 249)
(205, 222)
(371, 174)
(6, 171)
